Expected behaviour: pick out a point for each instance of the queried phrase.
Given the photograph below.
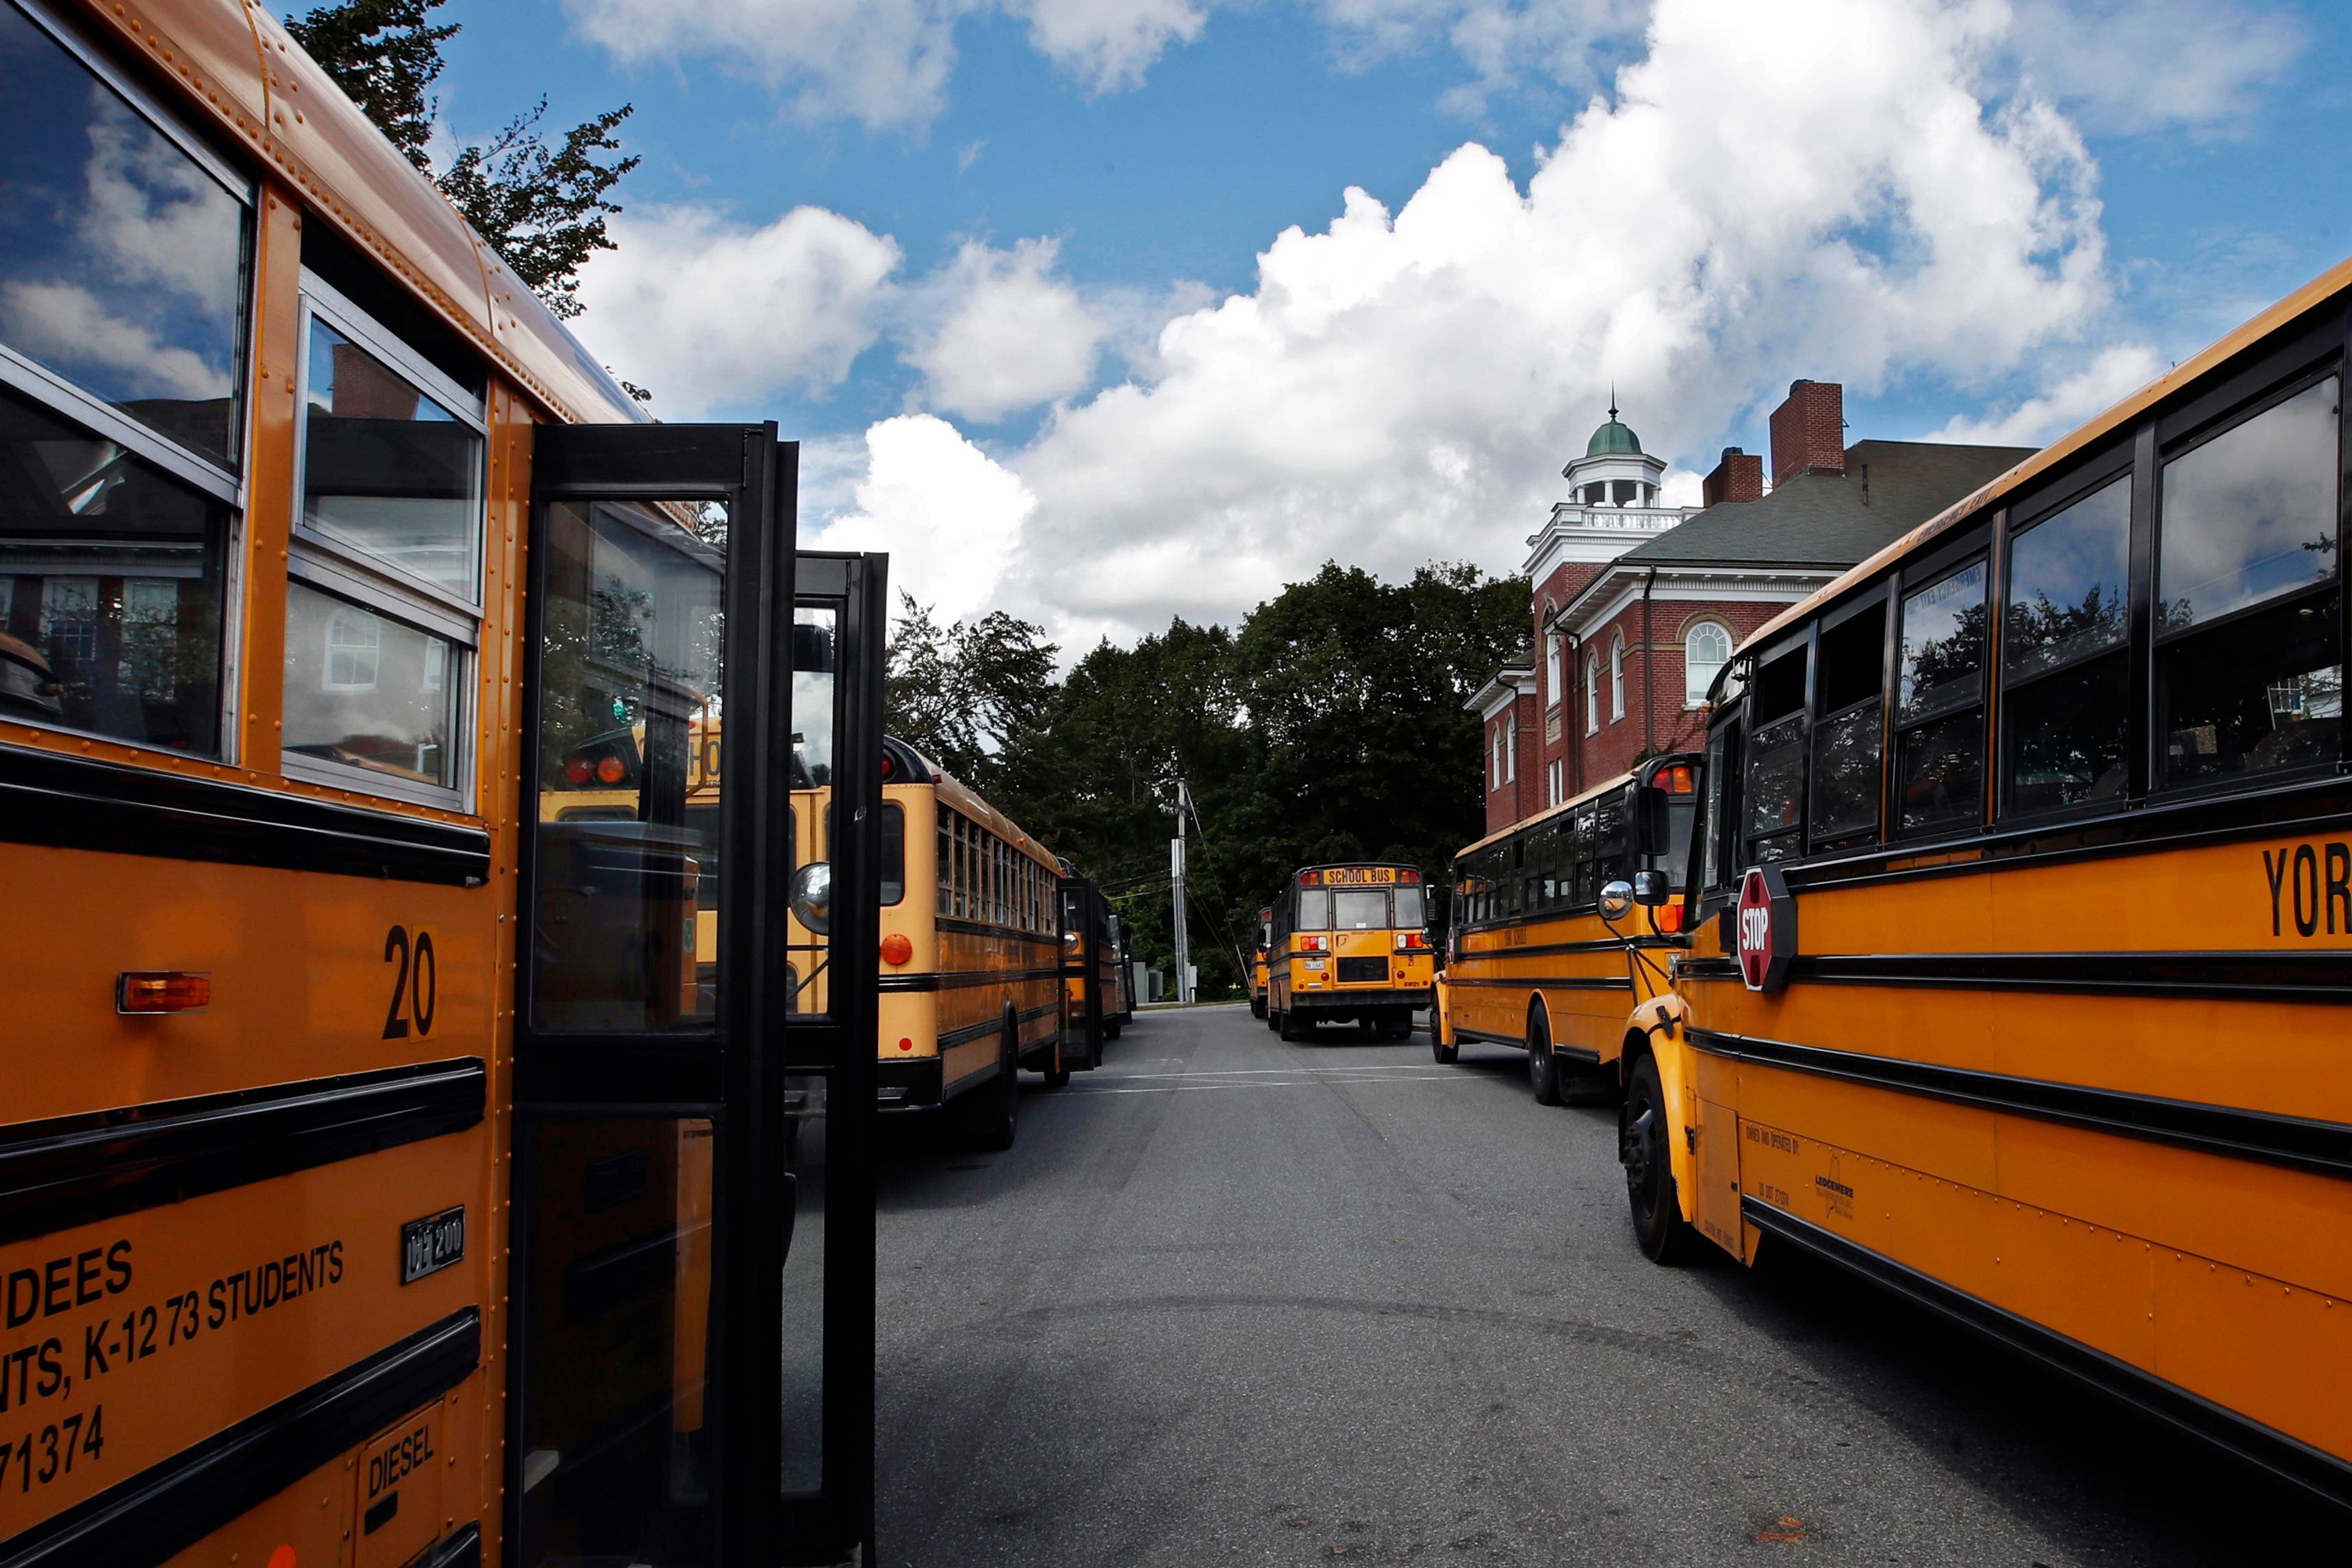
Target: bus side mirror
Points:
(1616, 901)
(812, 896)
(1654, 825)
(1653, 889)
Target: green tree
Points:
(541, 209)
(969, 694)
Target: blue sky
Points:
(1004, 264)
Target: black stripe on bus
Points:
(2288, 1459)
(1548, 981)
(971, 1032)
(70, 1170)
(959, 979)
(2268, 975)
(84, 803)
(463, 1550)
(2322, 1147)
(176, 1502)
(1590, 944)
(984, 928)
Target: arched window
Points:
(1705, 647)
(354, 642)
(1552, 692)
(1617, 676)
(1494, 772)
(1591, 693)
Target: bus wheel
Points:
(1287, 1023)
(1258, 1007)
(1659, 1228)
(1543, 1068)
(996, 1107)
(1446, 1055)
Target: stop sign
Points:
(1765, 925)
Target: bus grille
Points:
(1357, 971)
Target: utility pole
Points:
(1176, 883)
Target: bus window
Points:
(1359, 909)
(2064, 666)
(1775, 783)
(632, 629)
(1721, 821)
(894, 851)
(2249, 519)
(132, 650)
(1846, 741)
(1940, 703)
(1314, 910)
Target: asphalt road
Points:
(1235, 1302)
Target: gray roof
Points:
(1821, 520)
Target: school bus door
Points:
(664, 1119)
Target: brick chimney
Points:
(1740, 476)
(1809, 431)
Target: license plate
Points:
(429, 1245)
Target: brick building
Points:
(1635, 605)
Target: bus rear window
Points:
(1409, 908)
(1359, 909)
(1313, 909)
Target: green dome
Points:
(1613, 441)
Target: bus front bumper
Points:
(1360, 999)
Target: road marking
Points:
(1244, 1072)
(1294, 1083)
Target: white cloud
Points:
(883, 62)
(2113, 374)
(710, 313)
(1510, 44)
(2131, 66)
(948, 514)
(1109, 44)
(1004, 334)
(1751, 207)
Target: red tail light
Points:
(162, 991)
(578, 771)
(1412, 942)
(1314, 944)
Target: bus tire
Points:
(1643, 1147)
(1111, 1028)
(995, 1114)
(1446, 1053)
(1258, 1007)
(1543, 1066)
(1286, 1025)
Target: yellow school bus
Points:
(1530, 961)
(1257, 961)
(2021, 978)
(1349, 943)
(971, 972)
(378, 1138)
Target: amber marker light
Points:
(162, 991)
(896, 949)
(609, 769)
